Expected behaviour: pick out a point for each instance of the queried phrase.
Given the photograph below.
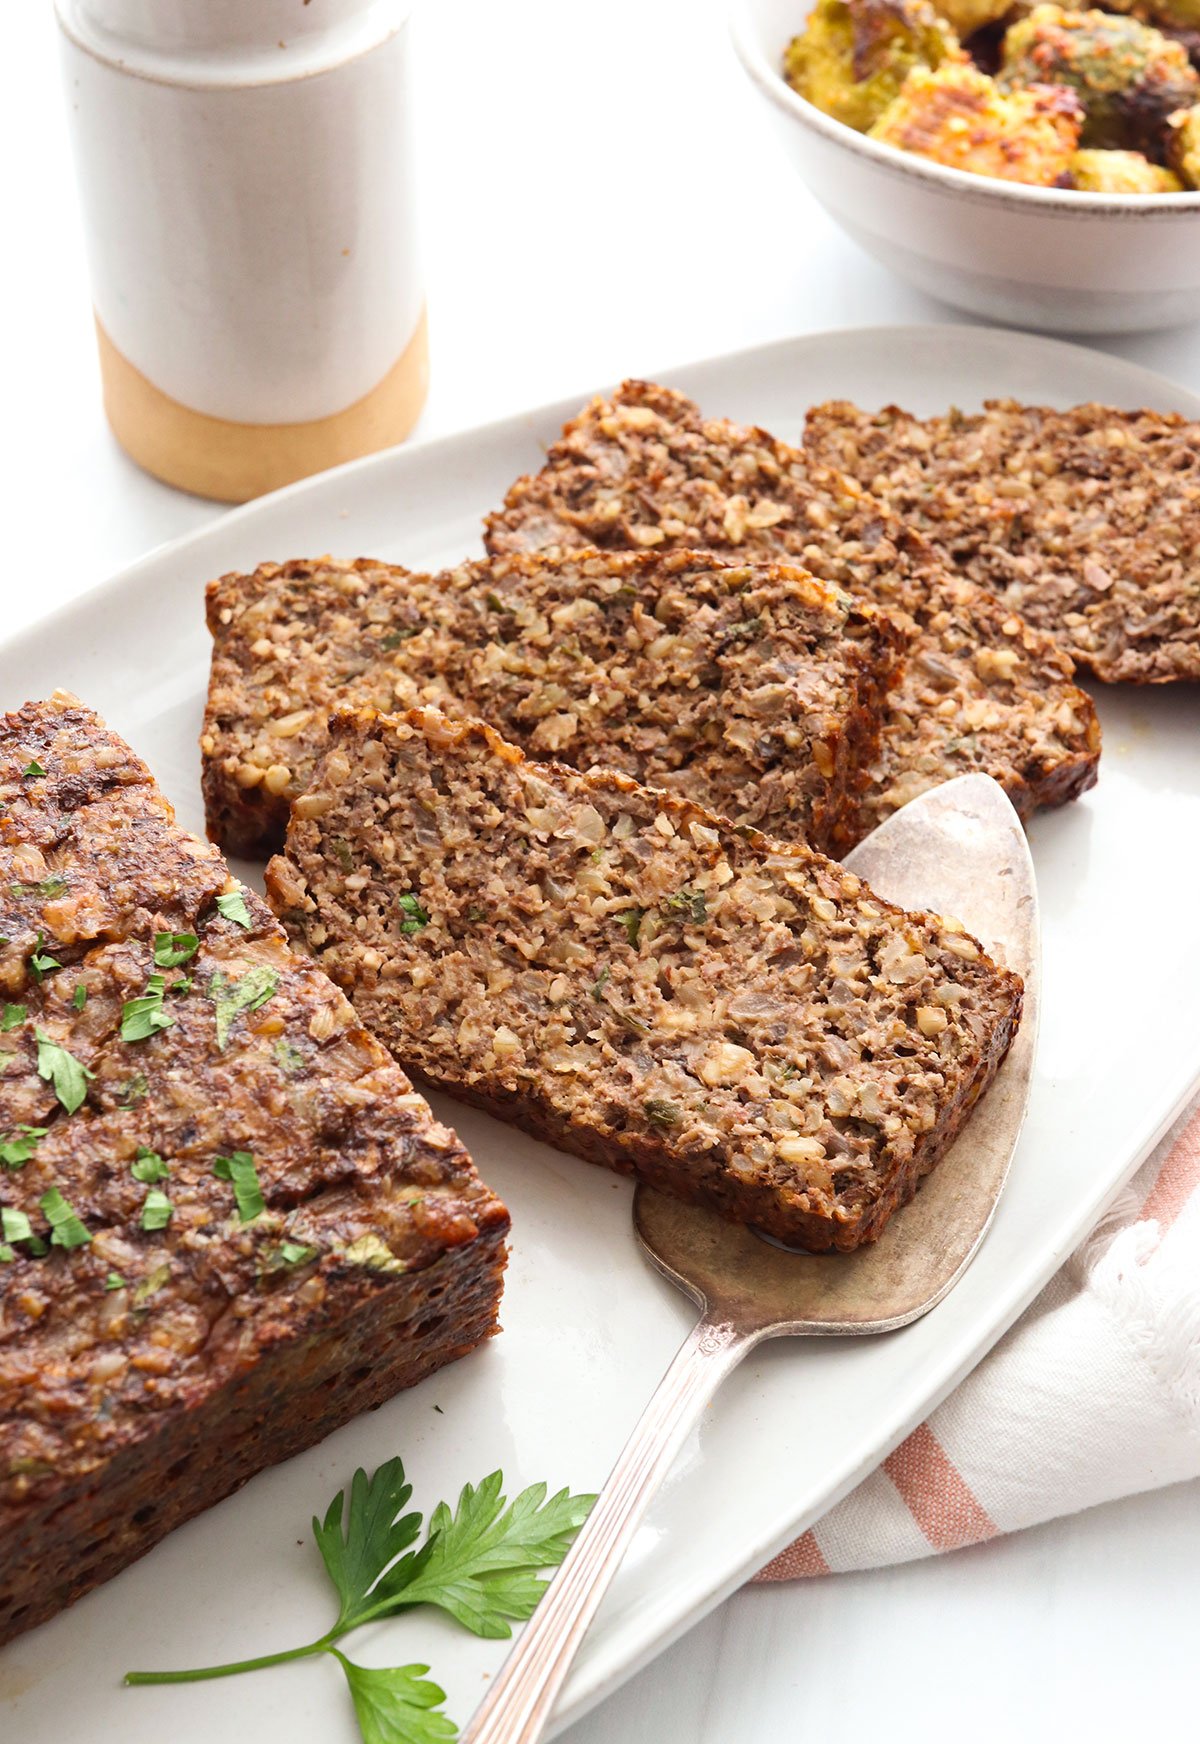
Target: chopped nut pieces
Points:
(774, 1041)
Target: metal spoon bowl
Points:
(958, 850)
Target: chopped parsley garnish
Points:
(15, 1152)
(295, 1253)
(496, 604)
(15, 1224)
(415, 916)
(148, 1166)
(13, 1015)
(690, 903)
(7, 1256)
(79, 997)
(40, 962)
(483, 1562)
(631, 919)
(60, 1068)
(172, 949)
(157, 1209)
(475, 913)
(114, 1281)
(252, 991)
(233, 906)
(598, 984)
(66, 1227)
(394, 638)
(745, 630)
(661, 1113)
(32, 769)
(47, 889)
(144, 1017)
(133, 1090)
(240, 1170)
(288, 1057)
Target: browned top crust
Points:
(739, 1020)
(983, 689)
(102, 1342)
(753, 688)
(1086, 521)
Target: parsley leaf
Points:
(480, 1562)
(7, 1256)
(400, 1706)
(690, 903)
(68, 1075)
(295, 1253)
(415, 915)
(240, 1169)
(376, 1532)
(67, 1229)
(252, 991)
(172, 949)
(15, 1152)
(79, 997)
(114, 1281)
(40, 962)
(157, 1209)
(233, 906)
(660, 1112)
(46, 888)
(144, 1017)
(631, 919)
(14, 1225)
(13, 1015)
(32, 769)
(288, 1057)
(394, 638)
(148, 1166)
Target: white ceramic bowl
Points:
(1034, 257)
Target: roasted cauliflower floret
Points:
(1120, 172)
(1128, 76)
(958, 116)
(854, 55)
(1183, 149)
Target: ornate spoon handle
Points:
(519, 1703)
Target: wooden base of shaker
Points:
(231, 462)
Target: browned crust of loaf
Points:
(112, 1396)
(388, 1336)
(645, 467)
(696, 1177)
(1086, 521)
(768, 706)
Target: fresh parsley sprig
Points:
(482, 1562)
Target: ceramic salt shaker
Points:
(246, 178)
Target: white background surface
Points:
(601, 198)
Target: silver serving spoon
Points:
(958, 850)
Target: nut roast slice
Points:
(737, 1020)
(982, 690)
(751, 688)
(1087, 521)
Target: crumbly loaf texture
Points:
(1087, 522)
(148, 1372)
(982, 688)
(739, 1021)
(753, 689)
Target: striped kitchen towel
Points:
(1094, 1393)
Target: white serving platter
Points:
(588, 1326)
